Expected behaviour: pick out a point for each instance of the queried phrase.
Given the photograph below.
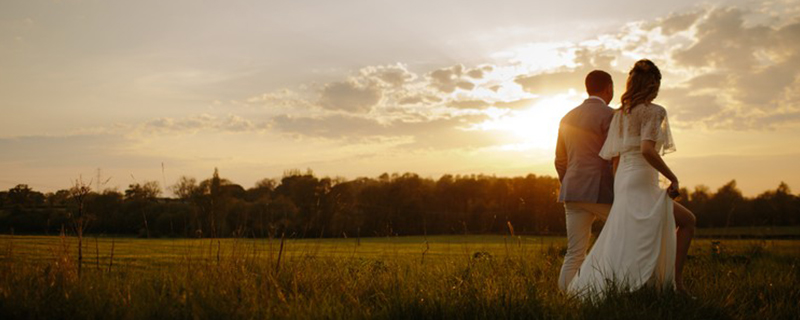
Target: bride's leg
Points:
(685, 221)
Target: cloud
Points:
(677, 22)
(373, 104)
(335, 126)
(719, 32)
(686, 106)
(450, 134)
(449, 79)
(202, 122)
(447, 133)
(724, 67)
(705, 82)
(418, 98)
(586, 60)
(411, 100)
(469, 104)
(778, 118)
(546, 83)
(752, 67)
(515, 104)
(350, 96)
(478, 73)
(441, 133)
(391, 75)
(720, 69)
(284, 99)
(764, 89)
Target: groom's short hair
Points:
(597, 81)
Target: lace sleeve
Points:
(613, 145)
(655, 127)
(667, 143)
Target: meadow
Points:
(415, 277)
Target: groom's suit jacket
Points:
(585, 177)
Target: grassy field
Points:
(751, 232)
(459, 277)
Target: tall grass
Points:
(378, 279)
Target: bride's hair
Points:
(642, 86)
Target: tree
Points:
(262, 190)
(23, 195)
(212, 204)
(776, 207)
(106, 208)
(147, 191)
(305, 191)
(140, 196)
(303, 205)
(698, 204)
(185, 188)
(78, 194)
(282, 214)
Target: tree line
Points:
(302, 205)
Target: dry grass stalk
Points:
(219, 248)
(111, 259)
(280, 252)
(97, 252)
(427, 248)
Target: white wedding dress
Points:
(637, 244)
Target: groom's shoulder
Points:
(572, 112)
(587, 104)
(587, 108)
(597, 107)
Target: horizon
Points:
(460, 88)
(167, 192)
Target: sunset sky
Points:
(358, 88)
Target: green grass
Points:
(458, 277)
(758, 232)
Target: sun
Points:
(534, 127)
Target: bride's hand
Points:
(674, 189)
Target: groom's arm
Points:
(561, 157)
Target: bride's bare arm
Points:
(654, 159)
(615, 164)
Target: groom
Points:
(587, 182)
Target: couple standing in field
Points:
(608, 162)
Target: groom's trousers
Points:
(580, 216)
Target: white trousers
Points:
(580, 216)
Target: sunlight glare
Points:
(535, 127)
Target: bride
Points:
(639, 244)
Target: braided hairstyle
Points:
(644, 80)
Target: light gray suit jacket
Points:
(585, 177)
